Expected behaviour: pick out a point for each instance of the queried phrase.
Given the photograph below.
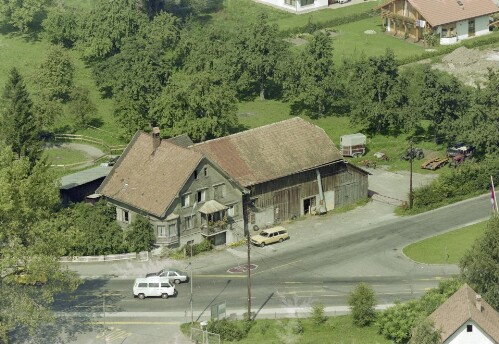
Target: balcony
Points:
(213, 228)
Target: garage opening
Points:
(308, 205)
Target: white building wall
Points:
(481, 27)
(477, 336)
(297, 8)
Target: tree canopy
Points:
(480, 265)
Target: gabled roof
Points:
(438, 12)
(150, 179)
(272, 151)
(461, 307)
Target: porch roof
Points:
(211, 207)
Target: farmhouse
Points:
(466, 318)
(216, 189)
(450, 20)
(297, 6)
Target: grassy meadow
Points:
(447, 248)
(349, 42)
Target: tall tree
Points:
(200, 105)
(103, 31)
(480, 265)
(55, 74)
(81, 107)
(261, 50)
(136, 75)
(441, 99)
(29, 245)
(61, 26)
(21, 13)
(19, 125)
(478, 125)
(311, 83)
(377, 96)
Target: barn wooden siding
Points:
(349, 183)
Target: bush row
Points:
(470, 179)
(312, 26)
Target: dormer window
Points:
(206, 171)
(195, 174)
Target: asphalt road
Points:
(324, 259)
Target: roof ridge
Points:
(252, 129)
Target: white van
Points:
(147, 287)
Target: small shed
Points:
(78, 186)
(353, 145)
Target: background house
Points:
(450, 20)
(298, 6)
(264, 175)
(466, 318)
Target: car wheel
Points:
(262, 244)
(281, 240)
(177, 281)
(142, 296)
(164, 296)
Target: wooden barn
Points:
(290, 168)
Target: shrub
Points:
(317, 314)
(228, 330)
(247, 325)
(362, 302)
(296, 326)
(140, 235)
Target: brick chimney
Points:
(479, 302)
(156, 138)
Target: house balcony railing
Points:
(213, 228)
(448, 40)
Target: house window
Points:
(469, 328)
(290, 2)
(206, 171)
(188, 223)
(232, 211)
(161, 231)
(219, 191)
(172, 230)
(122, 215)
(201, 196)
(186, 200)
(307, 2)
(195, 174)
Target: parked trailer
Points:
(353, 145)
(434, 163)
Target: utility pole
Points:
(248, 242)
(190, 266)
(411, 157)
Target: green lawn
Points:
(65, 156)
(447, 248)
(336, 330)
(351, 41)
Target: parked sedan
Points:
(269, 236)
(172, 274)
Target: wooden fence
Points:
(72, 137)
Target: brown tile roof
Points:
(150, 180)
(438, 12)
(272, 151)
(461, 307)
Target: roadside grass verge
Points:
(447, 248)
(338, 329)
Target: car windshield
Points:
(264, 234)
